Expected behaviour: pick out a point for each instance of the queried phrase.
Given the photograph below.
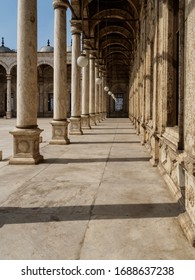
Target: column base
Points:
(101, 116)
(104, 115)
(92, 119)
(97, 118)
(59, 133)
(155, 150)
(8, 115)
(26, 146)
(143, 134)
(75, 126)
(85, 122)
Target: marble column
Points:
(26, 134)
(97, 86)
(100, 97)
(154, 137)
(85, 122)
(8, 113)
(75, 119)
(59, 123)
(41, 97)
(104, 97)
(92, 89)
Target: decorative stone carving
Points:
(26, 146)
(59, 133)
(85, 121)
(190, 196)
(75, 126)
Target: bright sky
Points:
(8, 23)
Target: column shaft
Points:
(59, 123)
(100, 97)
(97, 117)
(75, 120)
(27, 64)
(85, 96)
(92, 89)
(8, 113)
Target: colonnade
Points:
(90, 108)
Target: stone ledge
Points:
(188, 227)
(171, 185)
(188, 162)
(171, 137)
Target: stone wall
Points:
(162, 99)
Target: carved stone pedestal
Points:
(75, 126)
(85, 122)
(97, 118)
(59, 133)
(26, 146)
(92, 119)
(8, 115)
(155, 151)
(102, 116)
(187, 219)
(143, 134)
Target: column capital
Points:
(92, 54)
(76, 27)
(86, 44)
(60, 4)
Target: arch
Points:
(115, 14)
(5, 66)
(115, 29)
(45, 62)
(11, 66)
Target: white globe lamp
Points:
(82, 60)
(98, 81)
(106, 88)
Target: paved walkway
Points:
(97, 198)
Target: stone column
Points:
(75, 119)
(148, 81)
(100, 97)
(97, 115)
(154, 138)
(41, 97)
(85, 123)
(8, 113)
(59, 123)
(26, 134)
(104, 97)
(92, 89)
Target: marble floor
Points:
(98, 198)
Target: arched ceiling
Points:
(111, 26)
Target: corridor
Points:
(97, 198)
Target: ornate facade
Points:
(144, 53)
(8, 88)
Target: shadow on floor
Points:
(108, 133)
(17, 215)
(108, 142)
(113, 128)
(89, 160)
